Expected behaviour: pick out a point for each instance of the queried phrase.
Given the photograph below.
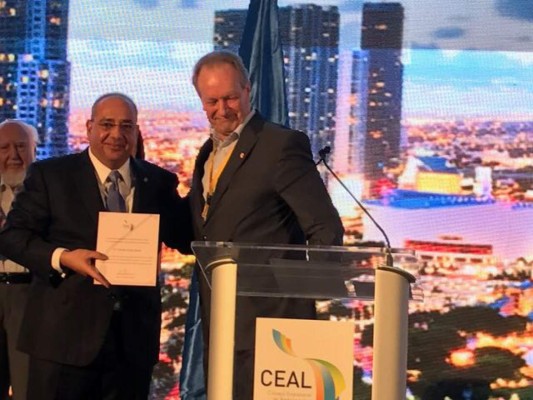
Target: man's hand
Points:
(82, 261)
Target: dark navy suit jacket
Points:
(66, 322)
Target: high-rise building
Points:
(229, 26)
(34, 71)
(310, 42)
(381, 43)
(358, 113)
(12, 43)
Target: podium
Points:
(315, 272)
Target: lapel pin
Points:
(145, 179)
(241, 156)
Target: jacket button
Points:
(204, 237)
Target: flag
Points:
(192, 375)
(262, 55)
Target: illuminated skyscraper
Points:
(34, 71)
(310, 40)
(229, 26)
(358, 112)
(381, 42)
(12, 43)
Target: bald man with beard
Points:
(18, 142)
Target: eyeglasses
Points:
(108, 126)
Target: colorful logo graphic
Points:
(329, 380)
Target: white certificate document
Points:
(131, 241)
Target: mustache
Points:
(225, 117)
(114, 141)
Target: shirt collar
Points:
(103, 171)
(234, 136)
(4, 186)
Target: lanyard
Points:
(213, 178)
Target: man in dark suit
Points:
(256, 182)
(89, 341)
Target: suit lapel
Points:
(143, 187)
(243, 148)
(85, 180)
(197, 189)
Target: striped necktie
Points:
(114, 202)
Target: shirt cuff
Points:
(56, 259)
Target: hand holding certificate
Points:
(131, 243)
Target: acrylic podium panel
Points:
(315, 272)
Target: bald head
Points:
(125, 98)
(112, 129)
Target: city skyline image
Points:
(425, 105)
(34, 71)
(457, 107)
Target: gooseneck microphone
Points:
(323, 154)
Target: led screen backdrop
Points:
(427, 109)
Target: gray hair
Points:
(221, 57)
(30, 130)
(121, 96)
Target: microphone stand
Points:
(391, 295)
(323, 153)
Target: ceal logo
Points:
(328, 379)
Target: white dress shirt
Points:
(7, 195)
(126, 188)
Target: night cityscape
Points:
(457, 190)
(34, 71)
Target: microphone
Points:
(323, 154)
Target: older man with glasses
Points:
(18, 142)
